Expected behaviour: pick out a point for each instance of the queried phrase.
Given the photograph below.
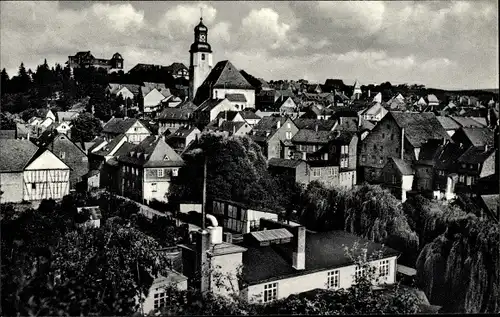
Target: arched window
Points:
(202, 57)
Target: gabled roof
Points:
(67, 115)
(209, 104)
(15, 155)
(236, 97)
(279, 162)
(323, 125)
(249, 115)
(467, 122)
(152, 152)
(225, 75)
(175, 67)
(231, 126)
(403, 166)
(479, 136)
(447, 155)
(159, 87)
(227, 115)
(177, 113)
(181, 133)
(432, 98)
(366, 125)
(374, 109)
(133, 88)
(448, 123)
(491, 202)
(119, 125)
(268, 123)
(280, 101)
(312, 136)
(108, 148)
(323, 251)
(337, 83)
(474, 155)
(419, 127)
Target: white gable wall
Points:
(137, 133)
(224, 105)
(219, 93)
(152, 100)
(47, 160)
(126, 94)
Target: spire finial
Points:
(201, 14)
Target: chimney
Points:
(202, 246)
(402, 142)
(299, 254)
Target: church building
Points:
(224, 81)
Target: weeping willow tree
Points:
(319, 208)
(376, 214)
(460, 269)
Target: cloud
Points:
(123, 17)
(182, 18)
(263, 27)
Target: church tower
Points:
(200, 63)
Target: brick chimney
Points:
(202, 246)
(299, 254)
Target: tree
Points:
(236, 169)
(4, 86)
(85, 127)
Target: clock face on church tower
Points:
(203, 37)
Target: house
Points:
(250, 117)
(474, 164)
(476, 137)
(292, 171)
(23, 131)
(421, 103)
(158, 292)
(30, 173)
(134, 130)
(315, 124)
(178, 70)
(86, 59)
(271, 99)
(231, 116)
(210, 109)
(399, 135)
(46, 113)
(274, 136)
(280, 260)
(432, 100)
(148, 169)
(237, 100)
(225, 79)
(8, 134)
(397, 175)
(318, 111)
(68, 152)
(153, 94)
(127, 91)
(286, 106)
(182, 137)
(64, 128)
(467, 122)
(356, 94)
(375, 113)
(449, 124)
(103, 164)
(237, 217)
(238, 128)
(377, 98)
(174, 118)
(491, 206)
(66, 116)
(334, 84)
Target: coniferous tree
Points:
(4, 86)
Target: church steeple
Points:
(200, 39)
(200, 59)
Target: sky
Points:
(440, 44)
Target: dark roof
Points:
(236, 97)
(279, 162)
(479, 136)
(8, 134)
(152, 152)
(177, 113)
(324, 251)
(336, 83)
(133, 88)
(249, 115)
(366, 125)
(227, 115)
(403, 166)
(180, 133)
(491, 202)
(225, 75)
(123, 150)
(209, 104)
(268, 123)
(419, 127)
(119, 125)
(323, 125)
(474, 155)
(175, 67)
(467, 122)
(108, 148)
(280, 101)
(16, 154)
(447, 155)
(231, 126)
(448, 123)
(312, 136)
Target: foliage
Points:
(50, 266)
(236, 170)
(85, 127)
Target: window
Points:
(288, 126)
(270, 292)
(159, 299)
(160, 172)
(288, 135)
(316, 172)
(153, 187)
(33, 185)
(461, 178)
(363, 158)
(358, 273)
(136, 129)
(62, 155)
(330, 171)
(202, 57)
(383, 268)
(333, 279)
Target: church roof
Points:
(225, 75)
